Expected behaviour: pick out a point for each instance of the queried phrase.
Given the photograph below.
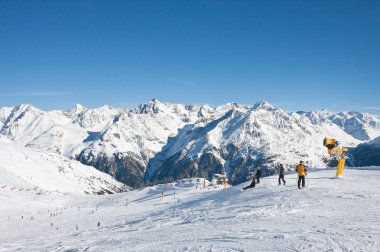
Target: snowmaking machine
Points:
(337, 152)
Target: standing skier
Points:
(281, 172)
(302, 172)
(258, 174)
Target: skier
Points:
(302, 172)
(281, 171)
(258, 174)
(252, 185)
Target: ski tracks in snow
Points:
(327, 215)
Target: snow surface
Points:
(26, 169)
(328, 215)
(4, 113)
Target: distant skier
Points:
(302, 172)
(258, 174)
(252, 185)
(281, 172)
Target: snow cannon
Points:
(331, 144)
(335, 151)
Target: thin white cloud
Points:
(279, 104)
(125, 104)
(188, 83)
(370, 107)
(25, 94)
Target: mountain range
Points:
(157, 141)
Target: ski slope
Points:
(328, 215)
(26, 169)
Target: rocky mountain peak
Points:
(77, 109)
(263, 105)
(154, 106)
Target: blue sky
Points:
(297, 55)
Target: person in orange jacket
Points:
(302, 172)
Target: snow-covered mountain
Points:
(366, 154)
(246, 138)
(25, 169)
(362, 126)
(156, 140)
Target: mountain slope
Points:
(361, 126)
(27, 169)
(156, 140)
(327, 215)
(366, 154)
(245, 139)
(4, 114)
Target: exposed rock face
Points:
(181, 166)
(126, 168)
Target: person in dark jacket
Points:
(252, 185)
(258, 174)
(281, 172)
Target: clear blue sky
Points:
(297, 55)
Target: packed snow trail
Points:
(328, 215)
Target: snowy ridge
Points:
(135, 146)
(24, 169)
(362, 126)
(4, 114)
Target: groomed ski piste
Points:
(328, 215)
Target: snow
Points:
(26, 169)
(4, 113)
(328, 215)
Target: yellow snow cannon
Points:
(331, 144)
(335, 151)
